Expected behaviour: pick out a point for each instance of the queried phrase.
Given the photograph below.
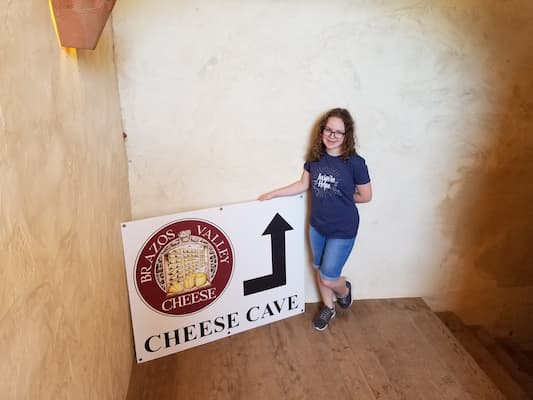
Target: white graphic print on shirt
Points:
(327, 182)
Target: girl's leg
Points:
(318, 245)
(330, 281)
(325, 292)
(328, 289)
(333, 256)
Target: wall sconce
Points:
(81, 22)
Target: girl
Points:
(338, 178)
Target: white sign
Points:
(200, 276)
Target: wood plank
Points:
(492, 359)
(474, 381)
(411, 364)
(378, 349)
(336, 357)
(308, 362)
(491, 366)
(509, 357)
(187, 372)
(478, 384)
(520, 357)
(253, 366)
(353, 328)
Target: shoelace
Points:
(325, 313)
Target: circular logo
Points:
(183, 267)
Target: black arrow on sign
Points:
(276, 229)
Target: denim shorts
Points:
(329, 254)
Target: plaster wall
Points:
(219, 99)
(65, 330)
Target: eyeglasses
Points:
(331, 133)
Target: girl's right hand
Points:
(266, 196)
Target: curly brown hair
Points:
(350, 140)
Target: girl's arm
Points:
(294, 188)
(363, 193)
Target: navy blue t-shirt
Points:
(333, 180)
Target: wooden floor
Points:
(378, 349)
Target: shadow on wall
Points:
(490, 216)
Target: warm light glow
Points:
(71, 51)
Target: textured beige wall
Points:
(441, 91)
(488, 212)
(64, 320)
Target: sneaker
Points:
(346, 301)
(322, 319)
